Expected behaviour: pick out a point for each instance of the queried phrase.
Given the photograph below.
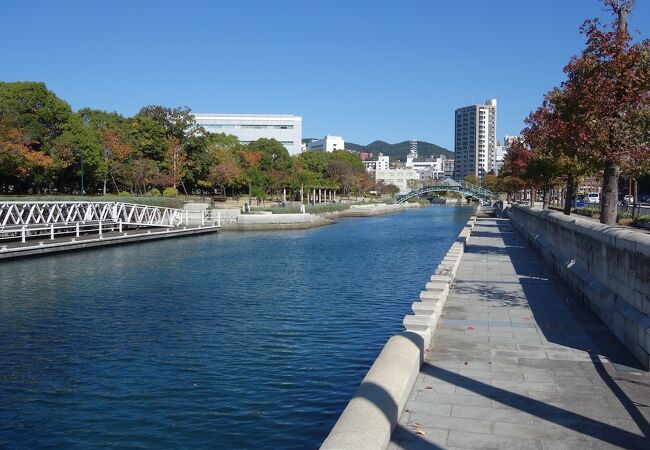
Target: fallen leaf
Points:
(407, 410)
(466, 363)
(419, 432)
(428, 387)
(470, 328)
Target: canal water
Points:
(252, 340)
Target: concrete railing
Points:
(368, 421)
(372, 414)
(608, 267)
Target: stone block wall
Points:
(608, 267)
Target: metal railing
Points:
(39, 213)
(449, 185)
(53, 230)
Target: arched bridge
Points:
(449, 185)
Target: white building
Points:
(448, 167)
(285, 128)
(475, 139)
(398, 177)
(502, 150)
(436, 168)
(498, 158)
(328, 144)
(381, 163)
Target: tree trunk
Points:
(570, 191)
(104, 189)
(545, 199)
(636, 206)
(608, 203)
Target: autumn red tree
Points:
(553, 134)
(610, 82)
(116, 152)
(513, 172)
(17, 158)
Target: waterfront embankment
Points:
(518, 361)
(233, 219)
(373, 412)
(512, 360)
(607, 267)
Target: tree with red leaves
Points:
(610, 83)
(553, 135)
(513, 172)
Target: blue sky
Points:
(366, 70)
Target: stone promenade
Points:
(518, 362)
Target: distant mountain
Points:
(400, 150)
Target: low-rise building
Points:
(435, 167)
(381, 163)
(285, 128)
(398, 177)
(328, 144)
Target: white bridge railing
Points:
(36, 214)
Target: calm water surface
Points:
(253, 340)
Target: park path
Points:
(518, 362)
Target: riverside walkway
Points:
(517, 362)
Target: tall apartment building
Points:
(285, 128)
(475, 140)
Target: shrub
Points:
(644, 219)
(624, 215)
(588, 211)
(170, 192)
(154, 192)
(124, 194)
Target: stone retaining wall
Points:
(368, 421)
(249, 222)
(608, 267)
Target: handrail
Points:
(57, 229)
(449, 185)
(43, 212)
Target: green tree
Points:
(392, 190)
(274, 155)
(472, 179)
(41, 118)
(314, 161)
(149, 138)
(491, 182)
(176, 122)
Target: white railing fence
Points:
(39, 213)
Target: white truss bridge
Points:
(39, 217)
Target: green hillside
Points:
(400, 150)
